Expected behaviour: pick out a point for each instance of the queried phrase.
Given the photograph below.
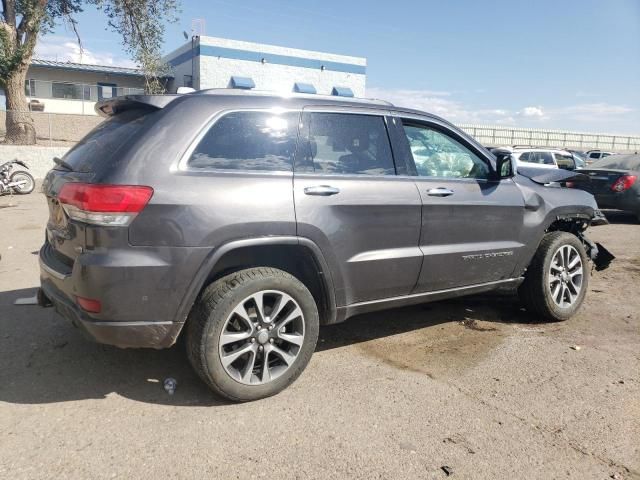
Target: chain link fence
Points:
(58, 129)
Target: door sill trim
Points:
(424, 297)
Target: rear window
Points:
(619, 162)
(100, 148)
(261, 141)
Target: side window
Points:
(594, 155)
(261, 141)
(343, 143)
(439, 155)
(546, 158)
(525, 157)
(564, 161)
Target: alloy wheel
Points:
(565, 276)
(262, 337)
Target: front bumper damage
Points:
(600, 256)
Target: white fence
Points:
(495, 136)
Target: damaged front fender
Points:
(600, 256)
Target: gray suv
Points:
(245, 221)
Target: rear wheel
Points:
(27, 183)
(557, 278)
(252, 333)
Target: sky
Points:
(568, 64)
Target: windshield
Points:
(100, 147)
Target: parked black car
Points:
(249, 219)
(615, 182)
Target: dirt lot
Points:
(476, 385)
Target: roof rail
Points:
(268, 93)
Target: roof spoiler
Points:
(107, 108)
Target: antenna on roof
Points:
(186, 35)
(198, 27)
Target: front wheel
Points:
(252, 333)
(557, 278)
(27, 183)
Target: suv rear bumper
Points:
(58, 285)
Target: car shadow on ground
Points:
(43, 359)
(618, 217)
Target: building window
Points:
(188, 81)
(70, 91)
(30, 87)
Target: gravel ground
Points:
(475, 385)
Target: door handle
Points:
(321, 190)
(439, 192)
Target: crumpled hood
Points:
(549, 175)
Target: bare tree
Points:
(139, 22)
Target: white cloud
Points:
(602, 116)
(439, 103)
(65, 49)
(532, 112)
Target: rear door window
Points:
(260, 141)
(100, 149)
(344, 143)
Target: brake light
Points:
(623, 183)
(570, 184)
(109, 205)
(89, 304)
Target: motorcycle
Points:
(16, 181)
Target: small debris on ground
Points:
(447, 470)
(60, 345)
(576, 347)
(170, 385)
(472, 324)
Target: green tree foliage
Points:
(139, 22)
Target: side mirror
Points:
(505, 167)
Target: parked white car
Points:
(543, 157)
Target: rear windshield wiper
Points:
(61, 163)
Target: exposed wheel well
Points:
(570, 224)
(297, 260)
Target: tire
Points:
(28, 187)
(227, 308)
(545, 281)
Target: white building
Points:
(210, 62)
(66, 87)
(203, 62)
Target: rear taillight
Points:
(623, 183)
(570, 184)
(109, 205)
(90, 305)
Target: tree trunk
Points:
(20, 126)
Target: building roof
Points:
(84, 67)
